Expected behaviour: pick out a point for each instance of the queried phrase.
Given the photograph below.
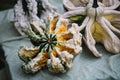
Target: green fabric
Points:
(85, 65)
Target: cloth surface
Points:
(85, 66)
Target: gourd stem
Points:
(95, 4)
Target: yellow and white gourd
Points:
(101, 24)
(56, 47)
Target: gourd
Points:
(56, 47)
(32, 11)
(98, 25)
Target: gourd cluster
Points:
(58, 38)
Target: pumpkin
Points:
(56, 46)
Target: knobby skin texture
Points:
(55, 47)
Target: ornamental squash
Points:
(55, 48)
